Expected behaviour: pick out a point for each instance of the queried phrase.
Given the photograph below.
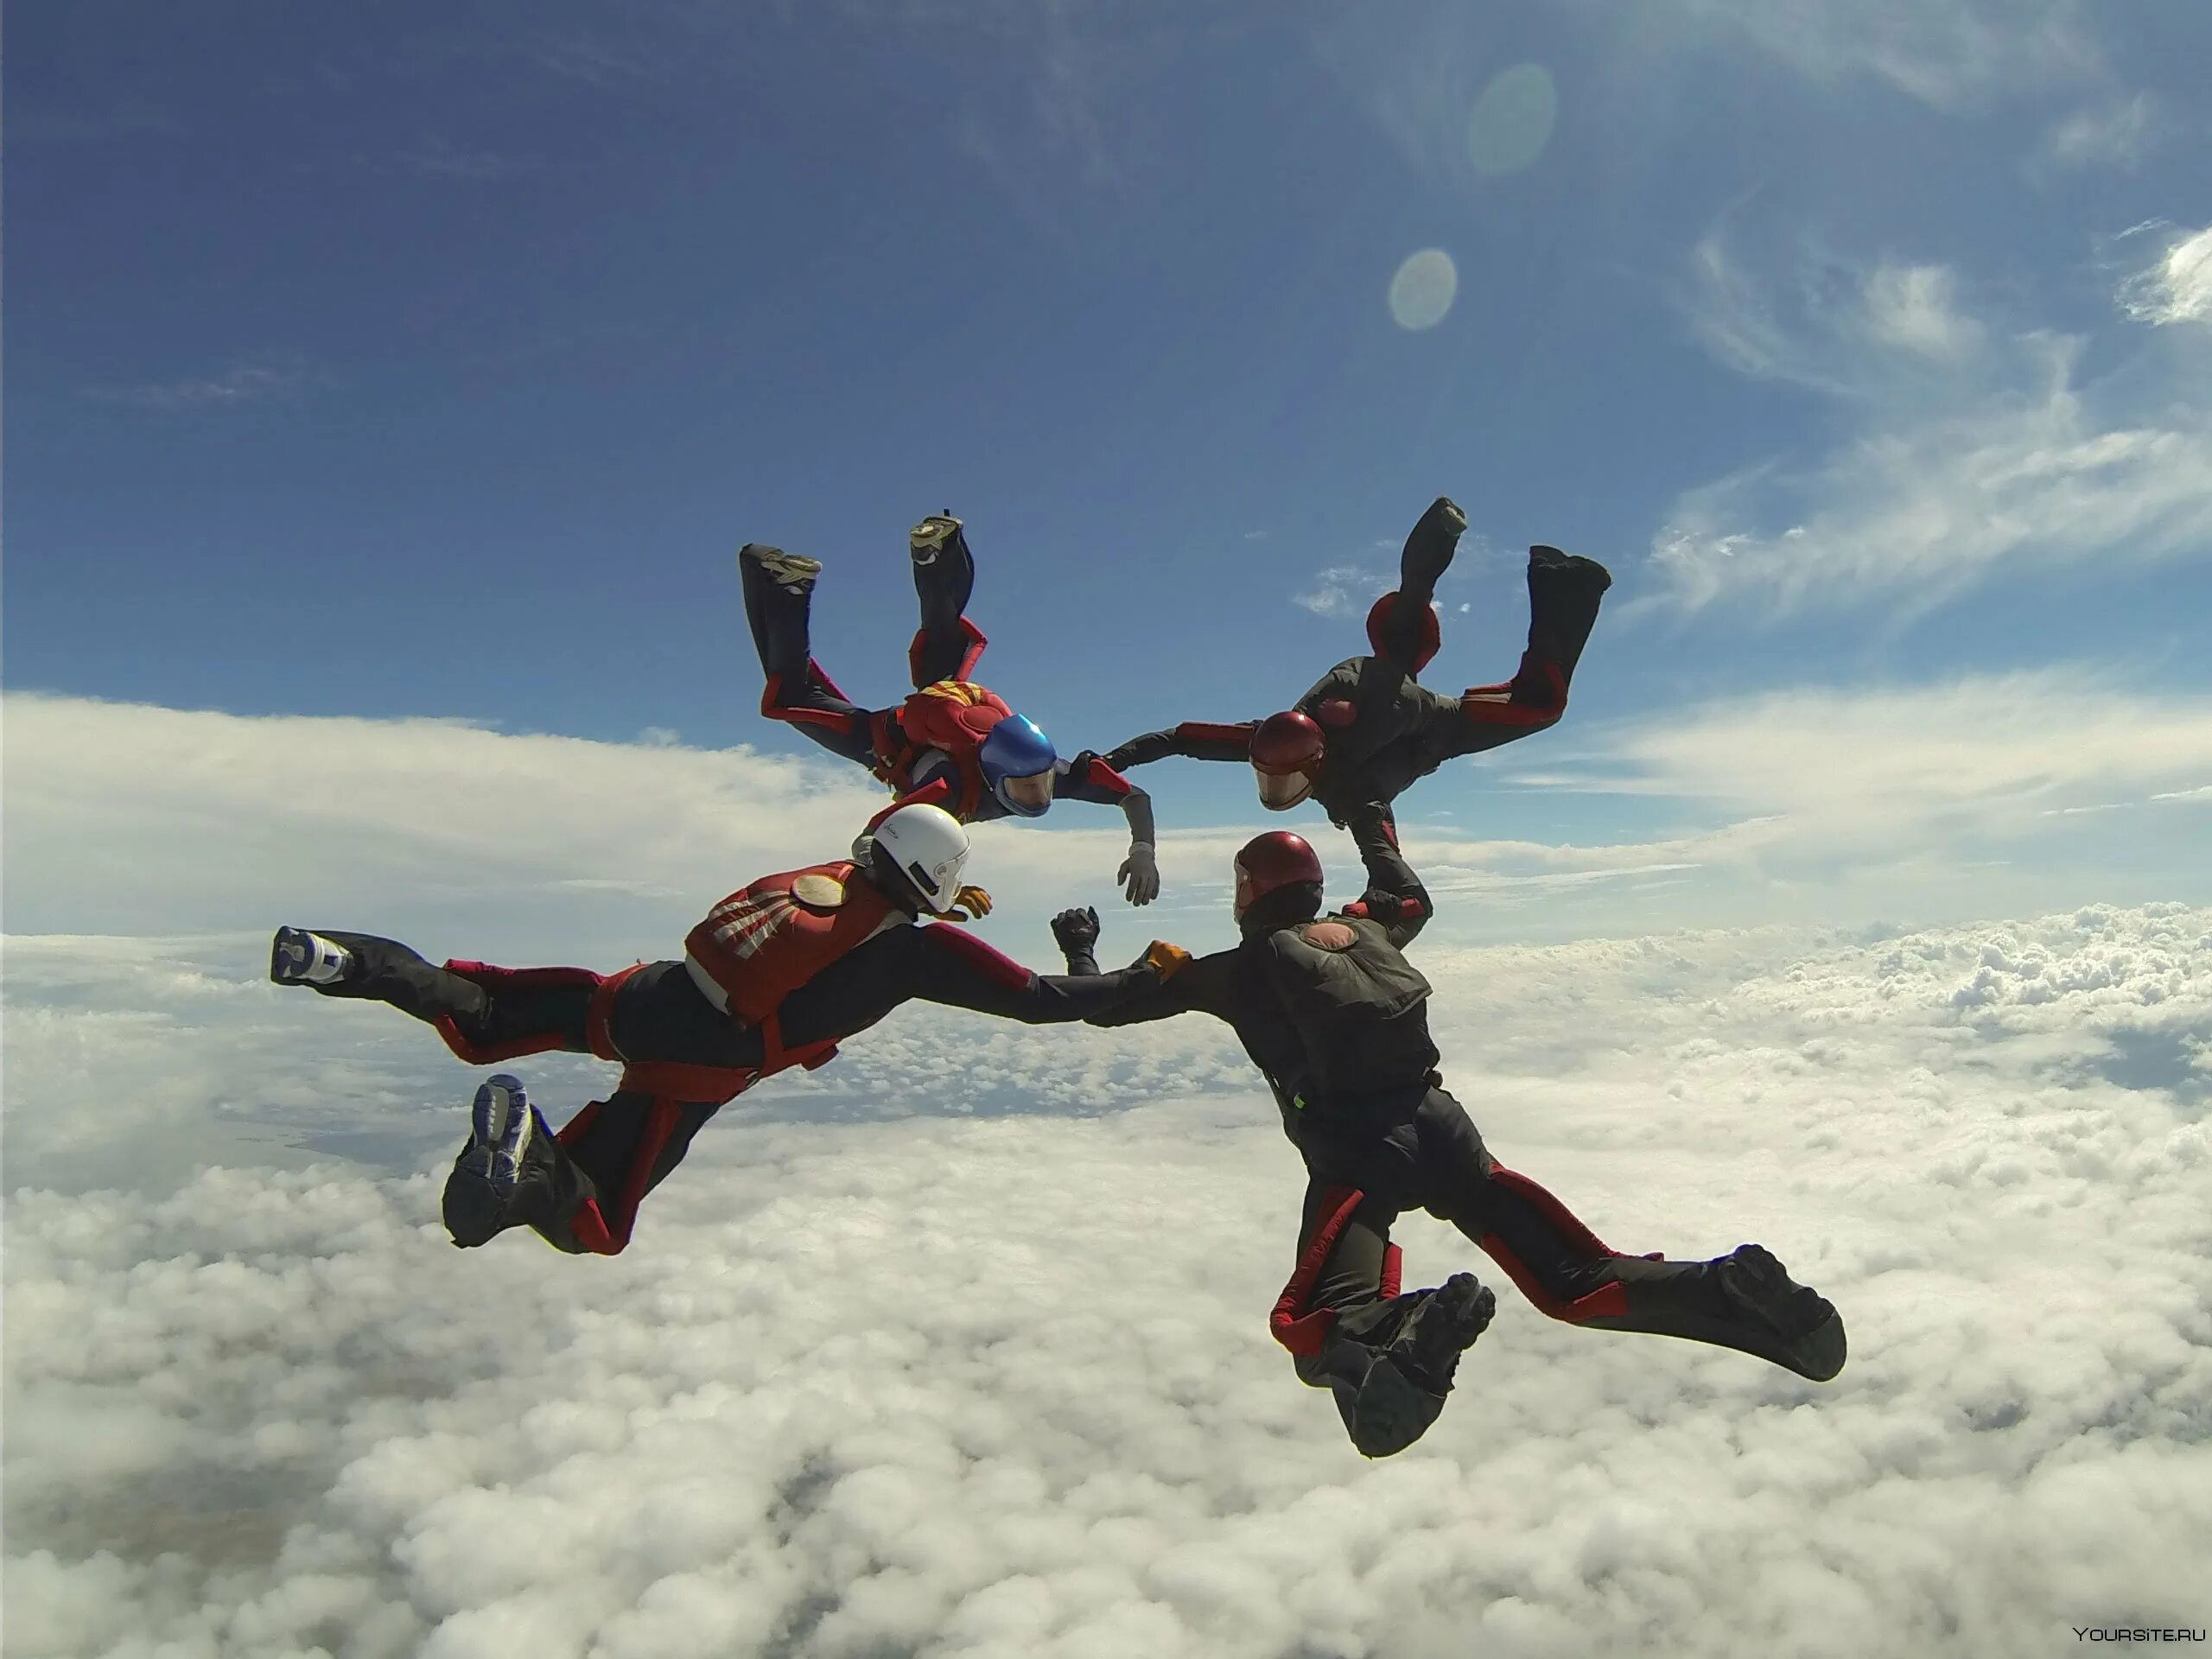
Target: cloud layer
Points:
(935, 1387)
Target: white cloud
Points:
(959, 1387)
(941, 1351)
(2115, 136)
(2175, 287)
(246, 383)
(1976, 450)
(1951, 54)
(1850, 762)
(1344, 590)
(1911, 307)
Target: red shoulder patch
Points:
(1328, 935)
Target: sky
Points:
(387, 391)
(434, 363)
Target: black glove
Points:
(1076, 932)
(1380, 905)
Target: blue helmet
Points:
(1014, 750)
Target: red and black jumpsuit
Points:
(1369, 1156)
(944, 654)
(1383, 729)
(684, 1044)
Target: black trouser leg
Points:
(1744, 1300)
(944, 587)
(626, 1145)
(1385, 1407)
(386, 971)
(1564, 594)
(796, 690)
(1405, 629)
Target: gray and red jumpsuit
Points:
(1370, 1155)
(1383, 729)
(769, 981)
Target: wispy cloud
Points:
(2115, 136)
(246, 383)
(2176, 287)
(582, 54)
(1344, 590)
(1950, 55)
(1978, 448)
(1846, 763)
(128, 119)
(431, 157)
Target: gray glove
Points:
(1139, 873)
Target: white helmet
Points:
(926, 845)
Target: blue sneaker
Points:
(479, 1193)
(299, 957)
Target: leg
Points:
(1402, 627)
(503, 1013)
(614, 1153)
(778, 595)
(1743, 1300)
(616, 1150)
(1564, 594)
(946, 645)
(1388, 1358)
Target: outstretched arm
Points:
(1088, 777)
(1189, 986)
(1195, 739)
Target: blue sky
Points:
(433, 361)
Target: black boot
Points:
(1564, 591)
(1745, 1300)
(1387, 1402)
(511, 1173)
(1429, 548)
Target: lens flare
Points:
(1423, 289)
(1512, 119)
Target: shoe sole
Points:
(501, 1123)
(790, 570)
(289, 953)
(1457, 1315)
(931, 537)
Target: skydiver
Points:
(1367, 729)
(1333, 1015)
(953, 743)
(776, 975)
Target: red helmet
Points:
(1265, 863)
(1432, 632)
(1287, 752)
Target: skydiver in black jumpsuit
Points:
(1333, 1014)
(1367, 729)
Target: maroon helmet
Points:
(1432, 632)
(1287, 752)
(1270, 863)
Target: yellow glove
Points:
(968, 904)
(1164, 959)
